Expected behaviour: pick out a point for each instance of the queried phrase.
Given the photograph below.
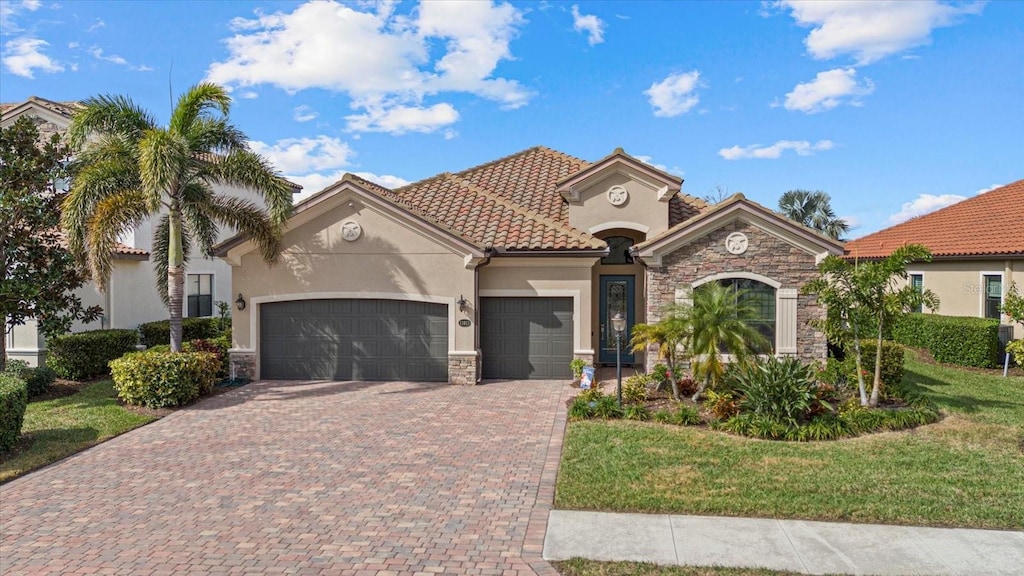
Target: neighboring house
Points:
(977, 250)
(131, 298)
(507, 270)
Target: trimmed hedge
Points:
(13, 401)
(155, 333)
(86, 355)
(37, 379)
(164, 379)
(892, 362)
(961, 340)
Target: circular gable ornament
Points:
(351, 231)
(617, 195)
(736, 243)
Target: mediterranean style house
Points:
(507, 270)
(977, 250)
(132, 298)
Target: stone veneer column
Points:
(243, 364)
(588, 358)
(462, 368)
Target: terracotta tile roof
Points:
(491, 220)
(66, 109)
(683, 207)
(987, 224)
(129, 251)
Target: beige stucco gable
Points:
(619, 191)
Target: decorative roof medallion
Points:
(736, 243)
(351, 231)
(617, 195)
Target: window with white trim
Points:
(992, 297)
(917, 281)
(199, 296)
(759, 298)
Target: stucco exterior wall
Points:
(391, 259)
(767, 255)
(642, 206)
(958, 284)
(556, 277)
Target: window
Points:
(760, 299)
(992, 298)
(917, 281)
(199, 292)
(618, 250)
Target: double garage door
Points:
(364, 339)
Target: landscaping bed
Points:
(580, 567)
(966, 470)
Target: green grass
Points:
(55, 429)
(579, 567)
(966, 470)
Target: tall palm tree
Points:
(129, 169)
(814, 210)
(669, 334)
(718, 321)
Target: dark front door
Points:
(617, 297)
(526, 338)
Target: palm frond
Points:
(112, 216)
(164, 161)
(216, 135)
(109, 114)
(196, 103)
(247, 218)
(195, 199)
(245, 169)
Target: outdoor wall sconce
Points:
(462, 302)
(240, 302)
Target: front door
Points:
(617, 297)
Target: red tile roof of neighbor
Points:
(991, 223)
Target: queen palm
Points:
(718, 322)
(129, 169)
(814, 210)
(670, 334)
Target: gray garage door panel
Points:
(354, 340)
(526, 338)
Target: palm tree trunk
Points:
(878, 367)
(859, 365)
(672, 377)
(175, 275)
(703, 386)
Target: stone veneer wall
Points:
(243, 365)
(766, 255)
(462, 369)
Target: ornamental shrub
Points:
(892, 364)
(164, 379)
(779, 389)
(154, 333)
(634, 389)
(577, 365)
(961, 340)
(1016, 348)
(218, 346)
(37, 379)
(13, 401)
(86, 355)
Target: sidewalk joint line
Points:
(785, 533)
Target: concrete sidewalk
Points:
(800, 546)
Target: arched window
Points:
(760, 298)
(618, 247)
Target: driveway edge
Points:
(536, 530)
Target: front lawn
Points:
(57, 428)
(967, 470)
(579, 567)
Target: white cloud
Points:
(924, 204)
(32, 5)
(649, 160)
(870, 30)
(853, 222)
(989, 189)
(674, 95)
(98, 54)
(300, 156)
(96, 25)
(304, 113)
(23, 55)
(313, 183)
(592, 25)
(801, 147)
(402, 119)
(249, 95)
(828, 90)
(381, 60)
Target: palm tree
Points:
(814, 210)
(718, 323)
(670, 334)
(129, 169)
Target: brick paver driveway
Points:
(320, 478)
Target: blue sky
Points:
(892, 108)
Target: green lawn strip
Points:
(60, 427)
(579, 567)
(966, 470)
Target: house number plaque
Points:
(464, 322)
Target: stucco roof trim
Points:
(569, 186)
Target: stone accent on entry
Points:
(766, 255)
(462, 368)
(586, 357)
(243, 364)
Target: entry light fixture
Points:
(462, 302)
(619, 323)
(240, 302)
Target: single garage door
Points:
(526, 337)
(354, 340)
